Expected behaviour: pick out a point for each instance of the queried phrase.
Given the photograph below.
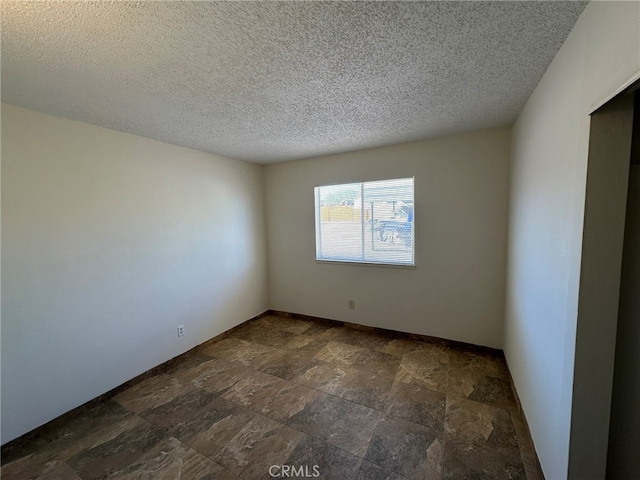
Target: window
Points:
(368, 222)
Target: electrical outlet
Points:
(180, 330)
(352, 304)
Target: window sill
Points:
(366, 264)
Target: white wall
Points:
(109, 241)
(457, 288)
(547, 195)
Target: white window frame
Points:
(367, 261)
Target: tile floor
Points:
(353, 402)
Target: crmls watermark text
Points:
(291, 471)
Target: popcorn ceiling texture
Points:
(270, 81)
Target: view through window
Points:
(368, 222)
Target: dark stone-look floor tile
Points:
(219, 376)
(335, 334)
(378, 362)
(118, 453)
(88, 427)
(431, 352)
(433, 342)
(406, 448)
(261, 443)
(364, 387)
(296, 326)
(176, 367)
(475, 385)
(250, 332)
(306, 344)
(254, 389)
(290, 324)
(218, 349)
(492, 364)
(417, 404)
(425, 366)
(484, 392)
(340, 353)
(339, 422)
(171, 459)
(365, 339)
(273, 338)
(211, 433)
(370, 471)
(290, 400)
(324, 329)
(331, 462)
(188, 373)
(480, 424)
(181, 409)
(290, 365)
(463, 460)
(399, 346)
(267, 322)
(322, 376)
(81, 429)
(187, 425)
(152, 392)
(249, 354)
(33, 468)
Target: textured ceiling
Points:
(271, 81)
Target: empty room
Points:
(337, 240)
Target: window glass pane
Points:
(391, 205)
(369, 222)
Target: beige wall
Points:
(457, 288)
(109, 241)
(547, 197)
